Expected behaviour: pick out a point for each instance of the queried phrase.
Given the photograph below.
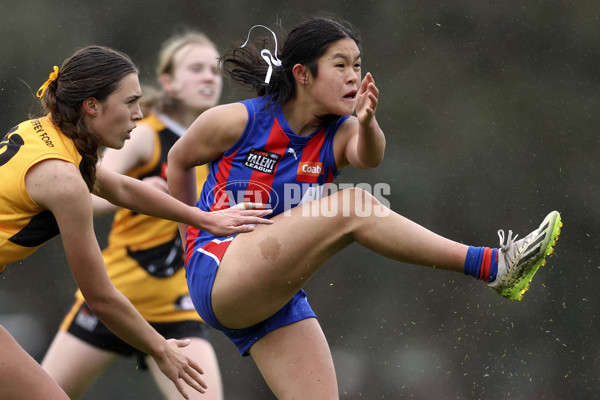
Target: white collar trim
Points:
(173, 125)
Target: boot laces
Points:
(510, 240)
(509, 245)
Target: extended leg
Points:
(263, 269)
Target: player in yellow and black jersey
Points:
(144, 257)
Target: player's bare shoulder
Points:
(220, 127)
(229, 118)
(53, 182)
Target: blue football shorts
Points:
(201, 270)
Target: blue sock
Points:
(473, 261)
(494, 265)
(478, 257)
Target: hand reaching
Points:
(178, 367)
(366, 100)
(238, 219)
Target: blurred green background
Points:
(491, 114)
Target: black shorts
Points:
(87, 327)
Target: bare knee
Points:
(357, 202)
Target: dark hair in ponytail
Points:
(93, 71)
(308, 41)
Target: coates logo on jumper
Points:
(310, 168)
(230, 193)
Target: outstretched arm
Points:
(135, 195)
(57, 186)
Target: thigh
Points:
(21, 377)
(262, 270)
(296, 362)
(75, 364)
(201, 351)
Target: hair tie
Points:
(51, 78)
(266, 54)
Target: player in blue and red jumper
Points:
(283, 149)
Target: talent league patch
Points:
(262, 160)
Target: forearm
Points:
(121, 317)
(140, 197)
(370, 146)
(182, 186)
(105, 301)
(182, 182)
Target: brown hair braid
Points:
(93, 71)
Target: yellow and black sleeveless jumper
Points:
(24, 225)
